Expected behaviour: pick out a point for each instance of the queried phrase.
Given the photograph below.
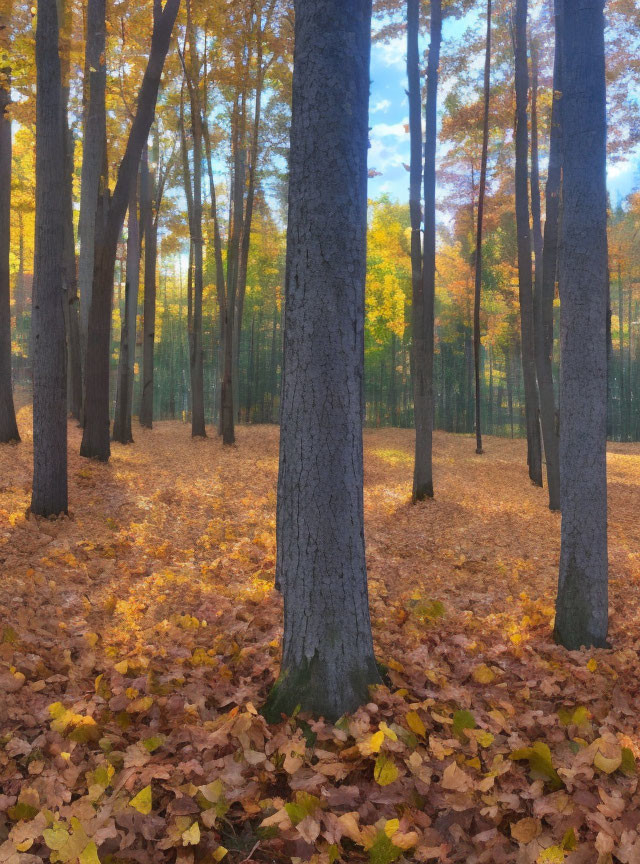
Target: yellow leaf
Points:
(191, 837)
(89, 854)
(608, 764)
(482, 674)
(388, 733)
(219, 854)
(391, 826)
(385, 770)
(414, 722)
(91, 639)
(142, 801)
(372, 744)
(592, 665)
(122, 667)
(484, 738)
(552, 855)
(140, 705)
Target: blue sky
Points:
(389, 112)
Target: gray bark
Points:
(328, 661)
(8, 425)
(546, 271)
(122, 421)
(93, 155)
(534, 444)
(49, 494)
(582, 604)
(479, 227)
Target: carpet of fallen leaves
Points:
(140, 636)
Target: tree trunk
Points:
(534, 447)
(582, 604)
(478, 262)
(49, 495)
(8, 425)
(422, 479)
(150, 211)
(122, 421)
(95, 440)
(94, 161)
(546, 251)
(327, 659)
(197, 365)
(70, 280)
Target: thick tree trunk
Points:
(534, 444)
(478, 261)
(49, 495)
(122, 420)
(582, 604)
(93, 155)
(8, 425)
(95, 440)
(327, 661)
(150, 210)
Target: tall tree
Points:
(95, 440)
(122, 431)
(582, 604)
(547, 282)
(534, 444)
(422, 473)
(49, 494)
(479, 226)
(8, 425)
(152, 184)
(424, 314)
(71, 306)
(93, 183)
(327, 661)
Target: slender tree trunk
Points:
(478, 262)
(544, 333)
(70, 280)
(151, 210)
(582, 604)
(8, 425)
(422, 481)
(327, 659)
(93, 155)
(49, 495)
(122, 421)
(393, 390)
(95, 440)
(197, 367)
(621, 328)
(534, 448)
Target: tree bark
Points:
(49, 494)
(422, 482)
(8, 425)
(534, 447)
(327, 661)
(151, 200)
(478, 261)
(94, 172)
(122, 421)
(95, 440)
(544, 329)
(582, 603)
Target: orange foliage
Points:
(139, 637)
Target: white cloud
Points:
(392, 53)
(390, 130)
(382, 106)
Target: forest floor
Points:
(140, 636)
